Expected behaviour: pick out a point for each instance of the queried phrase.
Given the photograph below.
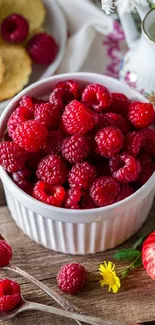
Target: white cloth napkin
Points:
(86, 26)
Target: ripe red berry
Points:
(20, 115)
(113, 119)
(125, 168)
(53, 142)
(120, 104)
(78, 199)
(147, 169)
(75, 148)
(149, 136)
(125, 191)
(60, 97)
(141, 115)
(70, 85)
(29, 102)
(42, 48)
(52, 170)
(47, 114)
(30, 135)
(96, 97)
(5, 253)
(77, 118)
(82, 175)
(109, 141)
(49, 194)
(14, 28)
(134, 142)
(72, 278)
(10, 295)
(148, 255)
(12, 157)
(22, 178)
(104, 191)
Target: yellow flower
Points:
(110, 278)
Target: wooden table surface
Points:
(134, 302)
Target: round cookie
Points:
(18, 67)
(32, 10)
(2, 69)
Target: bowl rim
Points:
(12, 186)
(55, 64)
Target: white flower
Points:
(107, 6)
(128, 5)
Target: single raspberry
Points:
(12, 157)
(109, 141)
(29, 102)
(104, 191)
(30, 135)
(125, 191)
(77, 118)
(71, 278)
(70, 85)
(22, 178)
(78, 199)
(61, 97)
(103, 169)
(125, 168)
(5, 253)
(120, 104)
(96, 97)
(49, 194)
(148, 168)
(42, 48)
(113, 119)
(141, 115)
(10, 295)
(14, 28)
(20, 115)
(34, 159)
(82, 175)
(47, 114)
(53, 142)
(75, 148)
(52, 170)
(149, 147)
(134, 142)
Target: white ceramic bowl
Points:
(55, 25)
(74, 231)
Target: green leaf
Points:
(127, 254)
(125, 273)
(138, 262)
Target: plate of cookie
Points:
(33, 37)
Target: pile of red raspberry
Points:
(84, 148)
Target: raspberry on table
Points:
(120, 104)
(78, 199)
(134, 142)
(14, 28)
(109, 141)
(49, 194)
(125, 168)
(20, 115)
(30, 135)
(75, 148)
(82, 175)
(141, 115)
(96, 97)
(77, 118)
(53, 142)
(47, 114)
(42, 48)
(5, 253)
(104, 191)
(147, 169)
(125, 191)
(52, 170)
(113, 119)
(149, 135)
(12, 157)
(72, 278)
(70, 85)
(10, 295)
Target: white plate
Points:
(55, 25)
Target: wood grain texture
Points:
(135, 301)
